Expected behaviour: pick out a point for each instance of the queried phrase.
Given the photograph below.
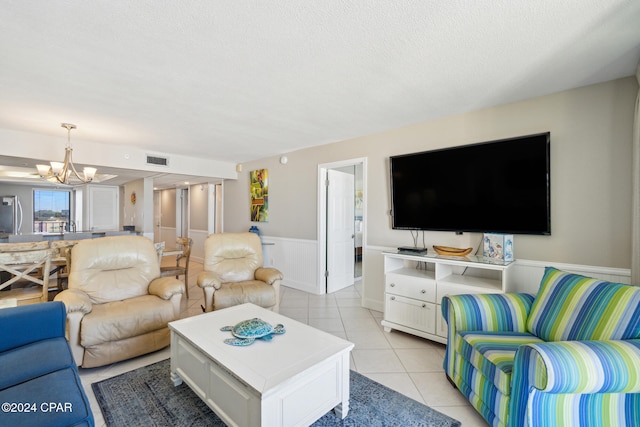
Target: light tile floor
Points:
(407, 364)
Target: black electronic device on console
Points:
(412, 249)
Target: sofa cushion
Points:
(574, 307)
(233, 256)
(117, 320)
(492, 353)
(113, 268)
(592, 409)
(58, 397)
(30, 323)
(27, 362)
(253, 291)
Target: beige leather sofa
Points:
(117, 305)
(233, 273)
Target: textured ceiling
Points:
(241, 80)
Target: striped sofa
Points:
(570, 356)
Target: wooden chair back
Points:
(62, 259)
(159, 249)
(23, 266)
(24, 246)
(184, 244)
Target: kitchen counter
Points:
(69, 235)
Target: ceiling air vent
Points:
(158, 161)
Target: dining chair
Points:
(21, 271)
(24, 246)
(61, 261)
(184, 245)
(159, 250)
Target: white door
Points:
(101, 213)
(340, 230)
(156, 216)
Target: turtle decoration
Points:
(247, 331)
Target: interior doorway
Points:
(182, 212)
(341, 262)
(171, 214)
(218, 219)
(157, 216)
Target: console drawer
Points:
(411, 313)
(420, 288)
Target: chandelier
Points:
(61, 172)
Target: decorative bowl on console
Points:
(449, 251)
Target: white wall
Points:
(591, 130)
(590, 175)
(140, 213)
(133, 213)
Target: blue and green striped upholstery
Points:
(481, 393)
(584, 410)
(483, 369)
(485, 312)
(586, 383)
(569, 357)
(573, 307)
(492, 354)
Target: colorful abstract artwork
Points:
(259, 195)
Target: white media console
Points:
(416, 282)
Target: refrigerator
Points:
(10, 215)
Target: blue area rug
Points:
(147, 397)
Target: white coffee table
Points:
(292, 380)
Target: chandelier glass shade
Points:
(62, 171)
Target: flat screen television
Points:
(497, 186)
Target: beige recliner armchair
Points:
(233, 273)
(118, 307)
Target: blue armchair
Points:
(39, 385)
(568, 356)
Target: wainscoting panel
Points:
(197, 251)
(525, 275)
(297, 259)
(373, 277)
(167, 235)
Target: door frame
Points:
(322, 217)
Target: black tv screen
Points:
(498, 186)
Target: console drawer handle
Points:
(423, 291)
(424, 305)
(392, 285)
(393, 298)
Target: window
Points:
(51, 211)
